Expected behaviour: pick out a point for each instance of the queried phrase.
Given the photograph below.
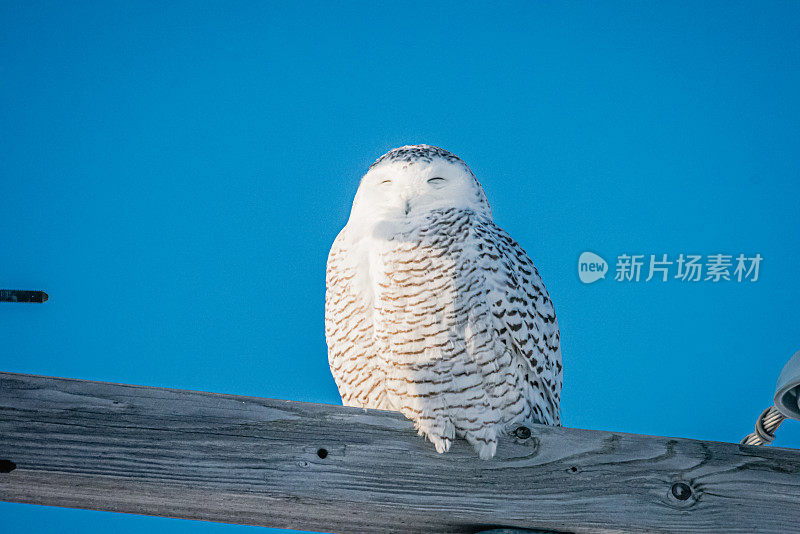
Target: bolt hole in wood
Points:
(522, 432)
(322, 453)
(573, 469)
(6, 466)
(681, 491)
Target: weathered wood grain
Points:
(257, 461)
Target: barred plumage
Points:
(434, 311)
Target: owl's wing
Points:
(524, 320)
(349, 331)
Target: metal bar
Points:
(21, 295)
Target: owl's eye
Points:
(386, 182)
(437, 180)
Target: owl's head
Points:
(411, 181)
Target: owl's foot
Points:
(442, 444)
(439, 431)
(484, 441)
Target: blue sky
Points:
(174, 174)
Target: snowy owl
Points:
(434, 311)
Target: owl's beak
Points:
(408, 206)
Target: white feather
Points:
(434, 311)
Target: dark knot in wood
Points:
(6, 466)
(681, 491)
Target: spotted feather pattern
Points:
(459, 334)
(350, 334)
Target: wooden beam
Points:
(287, 464)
